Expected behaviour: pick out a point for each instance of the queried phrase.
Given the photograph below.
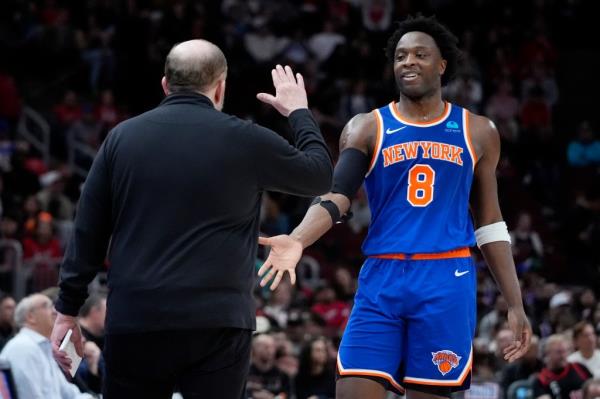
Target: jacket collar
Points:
(187, 97)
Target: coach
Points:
(176, 192)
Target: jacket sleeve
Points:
(88, 244)
(304, 168)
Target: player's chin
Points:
(412, 91)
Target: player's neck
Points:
(423, 109)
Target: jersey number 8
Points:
(421, 179)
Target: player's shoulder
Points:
(360, 132)
(483, 131)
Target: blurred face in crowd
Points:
(7, 311)
(318, 352)
(586, 340)
(556, 354)
(263, 349)
(418, 65)
(41, 315)
(44, 231)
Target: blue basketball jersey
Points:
(419, 182)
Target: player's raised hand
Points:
(518, 323)
(290, 93)
(284, 256)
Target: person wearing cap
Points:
(177, 193)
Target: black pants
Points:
(208, 363)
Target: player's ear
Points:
(442, 67)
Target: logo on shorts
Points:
(445, 360)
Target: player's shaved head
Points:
(195, 65)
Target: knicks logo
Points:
(445, 360)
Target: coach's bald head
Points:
(197, 66)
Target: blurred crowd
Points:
(85, 66)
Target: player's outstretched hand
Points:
(284, 256)
(518, 323)
(290, 93)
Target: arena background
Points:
(71, 70)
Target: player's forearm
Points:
(317, 220)
(500, 262)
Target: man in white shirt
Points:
(36, 373)
(585, 340)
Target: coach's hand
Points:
(290, 94)
(518, 323)
(284, 256)
(62, 324)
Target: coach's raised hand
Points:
(290, 93)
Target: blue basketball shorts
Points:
(413, 322)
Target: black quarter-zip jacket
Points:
(177, 192)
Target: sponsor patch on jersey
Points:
(445, 360)
(452, 126)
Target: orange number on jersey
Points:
(421, 179)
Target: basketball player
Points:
(425, 163)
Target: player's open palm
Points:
(284, 256)
(290, 93)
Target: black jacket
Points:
(177, 192)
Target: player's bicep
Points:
(484, 192)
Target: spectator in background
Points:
(278, 304)
(265, 380)
(377, 14)
(523, 368)
(68, 111)
(559, 378)
(86, 130)
(527, 247)
(591, 389)
(586, 343)
(356, 101)
(503, 108)
(334, 311)
(91, 319)
(262, 45)
(586, 304)
(536, 116)
(316, 375)
(43, 251)
(273, 220)
(106, 112)
(7, 320)
(323, 44)
(491, 320)
(52, 197)
(584, 150)
(466, 91)
(36, 374)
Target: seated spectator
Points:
(7, 321)
(330, 308)
(265, 380)
(36, 374)
(591, 389)
(523, 368)
(490, 320)
(559, 378)
(527, 247)
(503, 109)
(586, 343)
(278, 304)
(316, 375)
(69, 110)
(584, 150)
(43, 252)
(52, 197)
(91, 319)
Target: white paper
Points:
(69, 348)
